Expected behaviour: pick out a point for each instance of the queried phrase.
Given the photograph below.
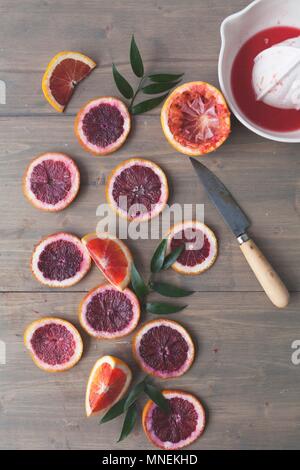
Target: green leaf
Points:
(135, 59)
(114, 412)
(165, 77)
(158, 87)
(172, 257)
(138, 284)
(162, 308)
(122, 84)
(168, 290)
(158, 257)
(129, 422)
(158, 398)
(135, 392)
(147, 105)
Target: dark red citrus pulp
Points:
(137, 185)
(60, 260)
(103, 125)
(53, 343)
(164, 349)
(191, 257)
(50, 181)
(109, 311)
(65, 77)
(178, 425)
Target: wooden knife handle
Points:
(265, 274)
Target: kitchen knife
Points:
(239, 223)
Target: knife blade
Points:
(222, 199)
(239, 223)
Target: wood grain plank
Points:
(36, 30)
(107, 42)
(262, 175)
(29, 41)
(243, 373)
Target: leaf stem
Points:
(136, 92)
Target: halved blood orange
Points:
(111, 256)
(200, 247)
(60, 260)
(108, 382)
(195, 118)
(102, 125)
(108, 313)
(181, 427)
(62, 74)
(51, 182)
(163, 348)
(137, 189)
(54, 344)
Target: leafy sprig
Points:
(127, 405)
(158, 258)
(138, 284)
(152, 84)
(160, 261)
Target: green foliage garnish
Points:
(152, 84)
(162, 308)
(138, 284)
(127, 405)
(172, 257)
(159, 257)
(129, 422)
(155, 395)
(168, 290)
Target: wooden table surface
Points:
(243, 370)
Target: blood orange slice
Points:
(108, 313)
(60, 260)
(51, 181)
(54, 344)
(102, 125)
(137, 189)
(108, 382)
(62, 74)
(111, 256)
(163, 348)
(195, 118)
(200, 247)
(181, 427)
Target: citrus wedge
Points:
(108, 382)
(62, 74)
(111, 256)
